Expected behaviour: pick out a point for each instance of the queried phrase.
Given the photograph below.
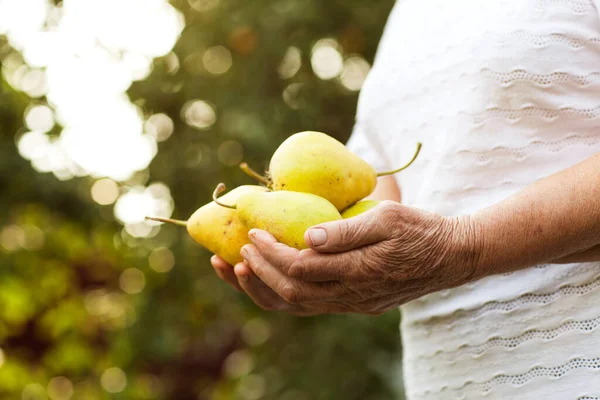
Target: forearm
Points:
(554, 220)
(589, 255)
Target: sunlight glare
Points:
(133, 207)
(86, 54)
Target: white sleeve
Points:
(360, 144)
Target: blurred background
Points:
(111, 110)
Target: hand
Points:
(368, 264)
(242, 279)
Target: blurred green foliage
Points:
(67, 327)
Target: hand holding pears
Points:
(284, 214)
(313, 178)
(219, 229)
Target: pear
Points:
(219, 229)
(359, 208)
(285, 214)
(313, 162)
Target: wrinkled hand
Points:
(368, 264)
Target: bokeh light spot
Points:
(354, 73)
(326, 60)
(33, 145)
(161, 259)
(230, 153)
(105, 191)
(292, 96)
(60, 388)
(132, 281)
(252, 387)
(199, 114)
(193, 64)
(113, 380)
(239, 363)
(160, 126)
(203, 5)
(34, 391)
(34, 238)
(292, 61)
(97, 302)
(217, 60)
(34, 83)
(12, 238)
(140, 202)
(244, 40)
(172, 64)
(39, 118)
(256, 332)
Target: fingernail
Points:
(253, 235)
(258, 235)
(244, 253)
(318, 236)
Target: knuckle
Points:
(290, 293)
(388, 210)
(347, 232)
(296, 270)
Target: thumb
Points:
(348, 234)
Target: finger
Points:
(293, 291)
(277, 254)
(290, 261)
(225, 272)
(347, 234)
(311, 266)
(260, 293)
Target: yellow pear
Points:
(284, 214)
(359, 208)
(313, 162)
(219, 229)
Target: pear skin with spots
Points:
(313, 162)
(359, 208)
(220, 229)
(284, 214)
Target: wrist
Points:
(467, 248)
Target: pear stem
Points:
(419, 145)
(218, 190)
(168, 221)
(253, 174)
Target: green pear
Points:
(313, 162)
(219, 229)
(285, 214)
(359, 208)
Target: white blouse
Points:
(501, 93)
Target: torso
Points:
(501, 93)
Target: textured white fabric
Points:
(501, 93)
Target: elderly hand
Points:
(368, 264)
